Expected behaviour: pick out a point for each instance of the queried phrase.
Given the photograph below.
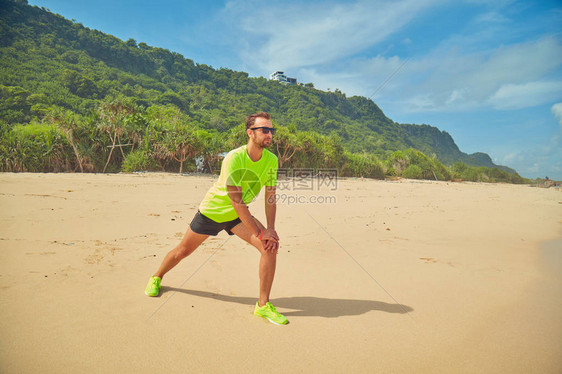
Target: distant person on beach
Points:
(245, 170)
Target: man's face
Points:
(258, 136)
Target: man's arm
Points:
(271, 207)
(270, 211)
(235, 194)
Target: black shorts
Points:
(206, 226)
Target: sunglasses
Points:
(265, 130)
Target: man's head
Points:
(257, 128)
(251, 119)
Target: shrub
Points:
(426, 167)
(362, 165)
(138, 160)
(424, 163)
(467, 173)
(441, 171)
(413, 172)
(397, 163)
(35, 148)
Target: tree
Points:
(131, 43)
(78, 84)
(286, 144)
(14, 104)
(36, 148)
(181, 143)
(213, 147)
(67, 121)
(112, 115)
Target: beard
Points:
(263, 143)
(266, 143)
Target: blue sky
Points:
(487, 72)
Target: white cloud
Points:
(556, 109)
(507, 159)
(487, 77)
(536, 161)
(302, 35)
(360, 77)
(542, 159)
(534, 168)
(510, 77)
(492, 17)
(320, 42)
(517, 96)
(456, 96)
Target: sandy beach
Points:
(374, 276)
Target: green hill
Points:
(51, 65)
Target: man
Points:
(244, 172)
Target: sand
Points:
(381, 276)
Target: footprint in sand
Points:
(431, 260)
(94, 258)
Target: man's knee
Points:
(183, 250)
(260, 246)
(267, 253)
(270, 254)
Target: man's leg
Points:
(191, 240)
(267, 261)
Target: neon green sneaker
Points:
(268, 311)
(153, 286)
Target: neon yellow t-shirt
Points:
(238, 169)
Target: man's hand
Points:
(270, 241)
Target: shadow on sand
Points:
(307, 306)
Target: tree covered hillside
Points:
(95, 90)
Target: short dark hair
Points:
(251, 119)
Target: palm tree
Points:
(67, 121)
(286, 143)
(214, 145)
(112, 115)
(181, 143)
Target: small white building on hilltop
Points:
(282, 78)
